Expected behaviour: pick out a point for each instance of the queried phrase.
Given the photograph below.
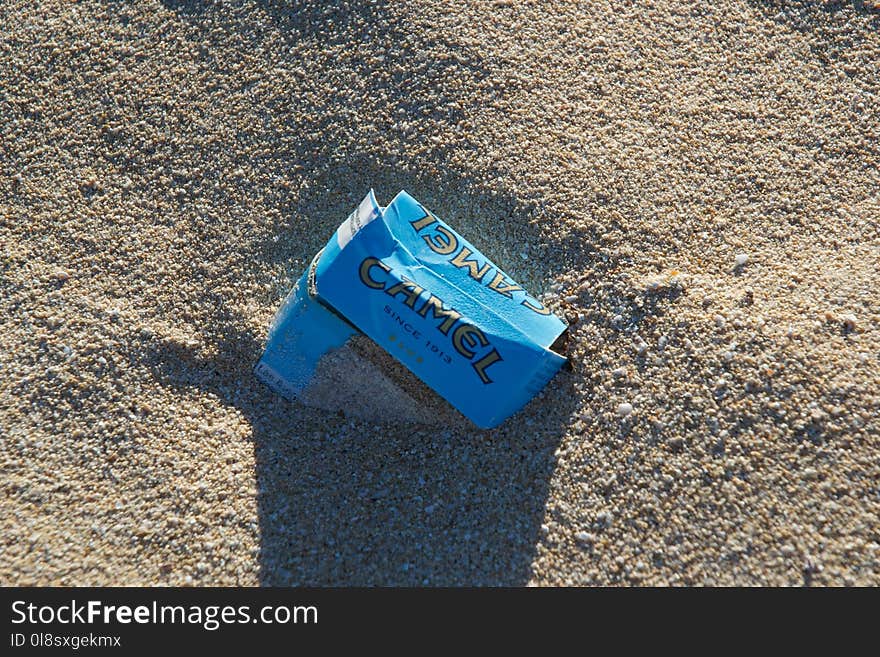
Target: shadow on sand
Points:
(812, 17)
(350, 503)
(343, 502)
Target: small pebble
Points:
(624, 409)
(741, 259)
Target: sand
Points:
(363, 381)
(169, 168)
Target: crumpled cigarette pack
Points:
(406, 280)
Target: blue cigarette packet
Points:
(408, 281)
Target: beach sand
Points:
(169, 168)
